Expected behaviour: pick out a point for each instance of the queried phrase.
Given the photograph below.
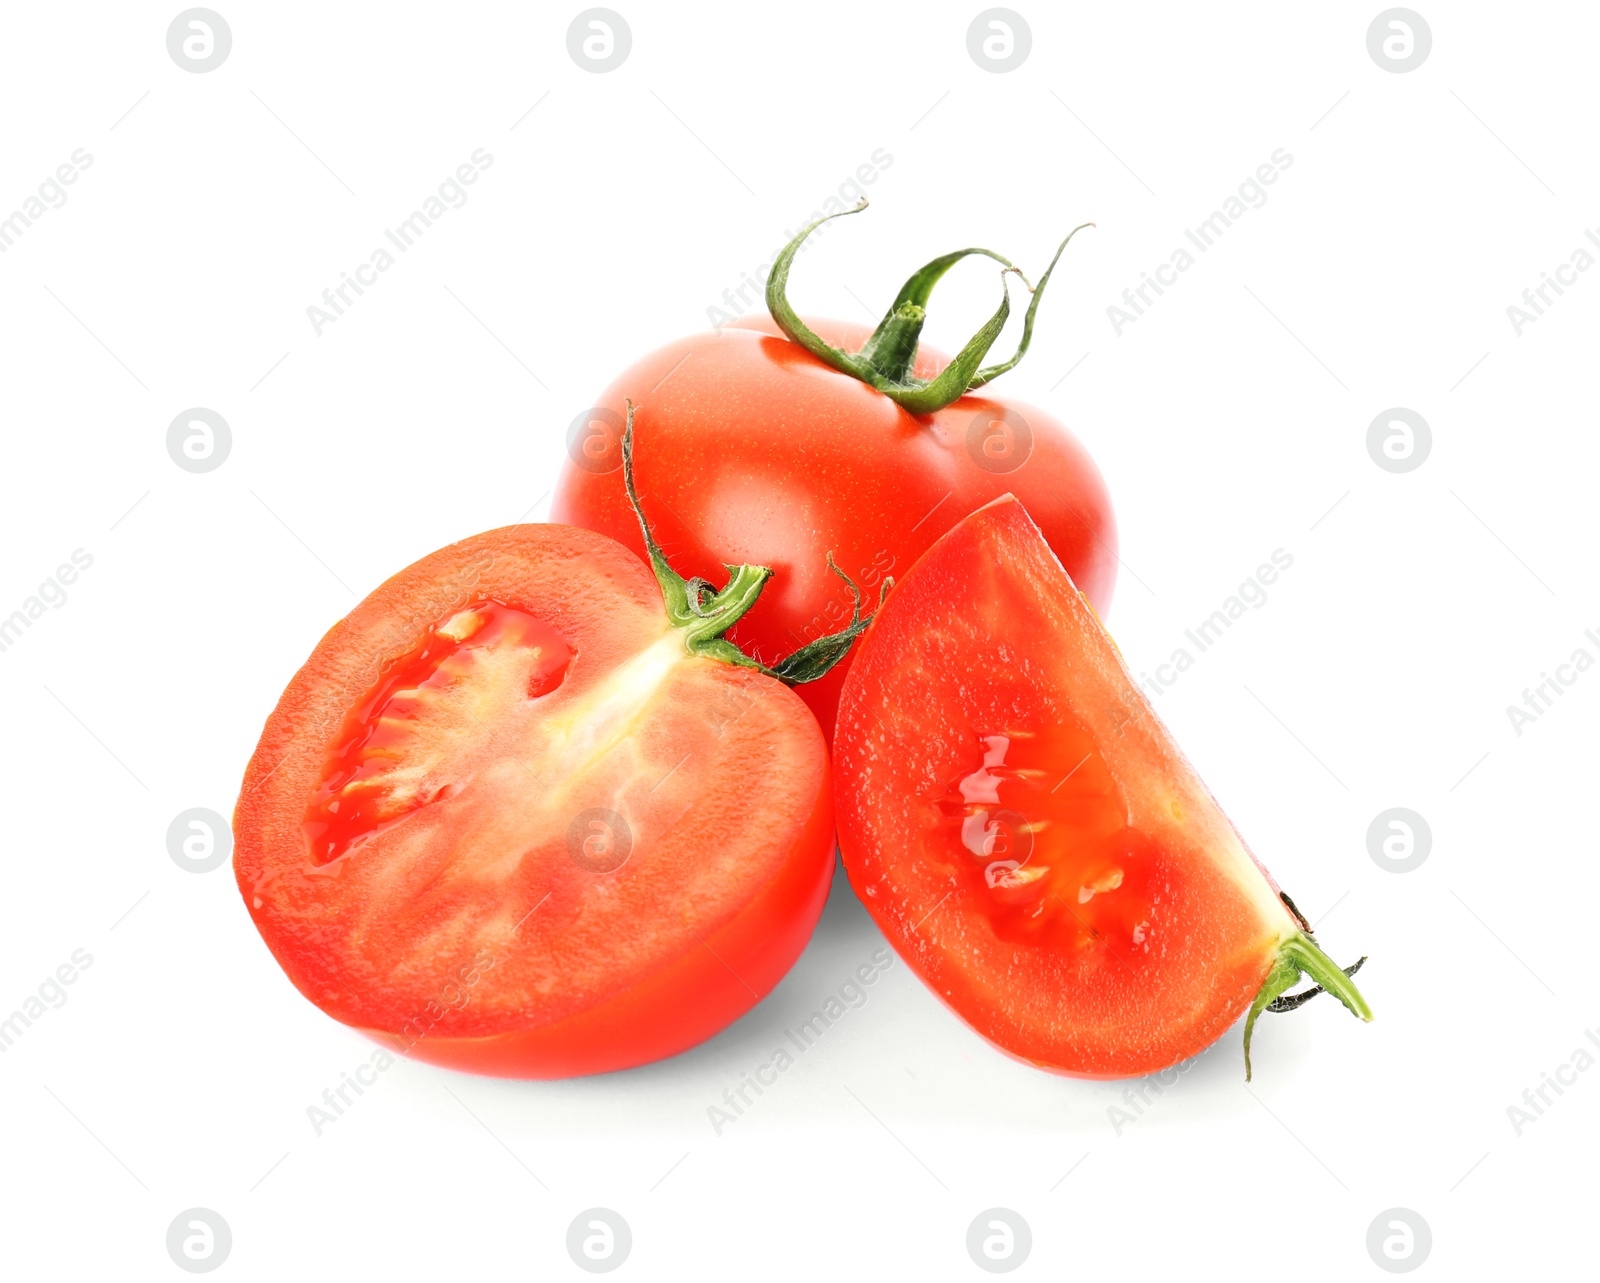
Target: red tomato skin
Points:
(753, 451)
(681, 1007)
(757, 935)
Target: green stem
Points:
(702, 617)
(1294, 1001)
(990, 371)
(1327, 973)
(892, 349)
(702, 613)
(887, 358)
(1298, 955)
(815, 658)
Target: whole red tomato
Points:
(779, 442)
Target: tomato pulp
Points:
(505, 820)
(779, 441)
(1025, 832)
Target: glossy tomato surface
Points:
(502, 820)
(1024, 830)
(753, 451)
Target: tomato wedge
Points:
(1023, 829)
(521, 814)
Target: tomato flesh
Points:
(503, 820)
(377, 771)
(1040, 851)
(1024, 830)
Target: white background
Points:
(1229, 421)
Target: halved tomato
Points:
(1025, 832)
(511, 817)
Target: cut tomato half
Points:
(525, 812)
(1026, 833)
